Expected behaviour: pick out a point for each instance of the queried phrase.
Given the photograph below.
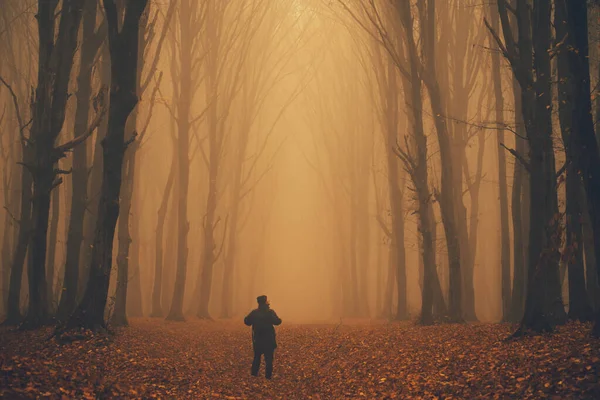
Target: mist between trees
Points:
(426, 160)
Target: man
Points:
(262, 320)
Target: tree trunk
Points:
(389, 282)
(52, 243)
(54, 70)
(504, 228)
(123, 46)
(215, 141)
(95, 182)
(583, 139)
(135, 306)
(395, 195)
(13, 315)
(543, 303)
(183, 163)
(447, 196)
(418, 167)
(518, 203)
(228, 271)
(591, 276)
(209, 247)
(80, 174)
(579, 306)
(119, 317)
(157, 298)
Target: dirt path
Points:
(201, 360)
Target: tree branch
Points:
(70, 145)
(518, 156)
(15, 100)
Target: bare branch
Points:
(168, 17)
(518, 156)
(71, 144)
(22, 126)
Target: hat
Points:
(261, 299)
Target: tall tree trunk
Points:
(583, 139)
(95, 184)
(7, 232)
(579, 306)
(13, 315)
(518, 203)
(504, 228)
(230, 257)
(123, 46)
(204, 283)
(171, 245)
(363, 233)
(209, 247)
(390, 278)
(119, 317)
(447, 196)
(543, 303)
(395, 195)
(135, 306)
(591, 276)
(157, 292)
(418, 167)
(54, 70)
(52, 243)
(183, 161)
(353, 266)
(80, 174)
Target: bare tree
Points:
(543, 305)
(579, 306)
(91, 39)
(186, 70)
(128, 296)
(123, 44)
(582, 138)
(23, 154)
(48, 113)
(226, 54)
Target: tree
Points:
(388, 89)
(123, 45)
(186, 83)
(415, 158)
(91, 39)
(56, 53)
(223, 71)
(519, 208)
(579, 306)
(126, 302)
(531, 68)
(499, 118)
(582, 138)
(13, 316)
(157, 287)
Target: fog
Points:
(283, 109)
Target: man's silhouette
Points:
(262, 320)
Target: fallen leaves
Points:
(204, 360)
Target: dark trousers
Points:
(268, 362)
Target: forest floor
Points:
(206, 360)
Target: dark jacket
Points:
(263, 333)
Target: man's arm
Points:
(275, 320)
(249, 319)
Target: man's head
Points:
(262, 300)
